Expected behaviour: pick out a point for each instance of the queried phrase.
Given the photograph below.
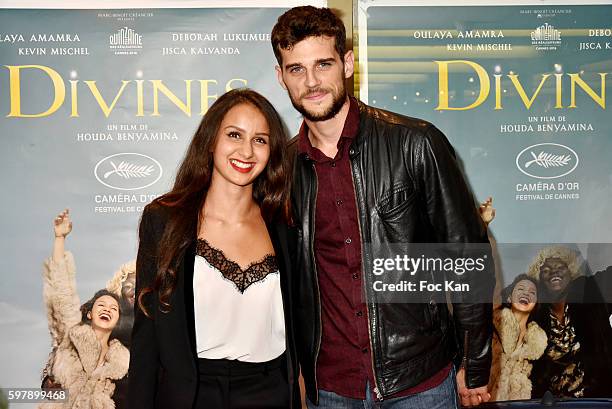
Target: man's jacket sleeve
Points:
(454, 217)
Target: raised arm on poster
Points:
(86, 360)
(487, 211)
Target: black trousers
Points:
(228, 384)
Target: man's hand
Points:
(471, 397)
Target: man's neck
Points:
(324, 135)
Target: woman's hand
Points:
(487, 211)
(62, 225)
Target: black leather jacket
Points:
(408, 189)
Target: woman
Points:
(517, 341)
(123, 282)
(123, 285)
(86, 359)
(212, 327)
(575, 317)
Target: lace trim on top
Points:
(256, 271)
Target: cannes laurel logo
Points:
(547, 161)
(128, 171)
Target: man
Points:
(367, 177)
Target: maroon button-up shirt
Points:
(345, 361)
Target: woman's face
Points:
(128, 289)
(242, 147)
(555, 275)
(105, 313)
(524, 296)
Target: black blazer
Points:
(163, 360)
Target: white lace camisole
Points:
(238, 313)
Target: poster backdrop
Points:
(522, 93)
(97, 108)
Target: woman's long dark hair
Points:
(184, 201)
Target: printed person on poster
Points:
(576, 318)
(348, 159)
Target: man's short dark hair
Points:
(307, 21)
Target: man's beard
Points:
(337, 103)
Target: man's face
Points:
(555, 275)
(313, 74)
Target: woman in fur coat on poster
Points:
(86, 361)
(517, 341)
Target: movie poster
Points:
(97, 108)
(522, 93)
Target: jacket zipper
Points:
(464, 360)
(379, 395)
(314, 267)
